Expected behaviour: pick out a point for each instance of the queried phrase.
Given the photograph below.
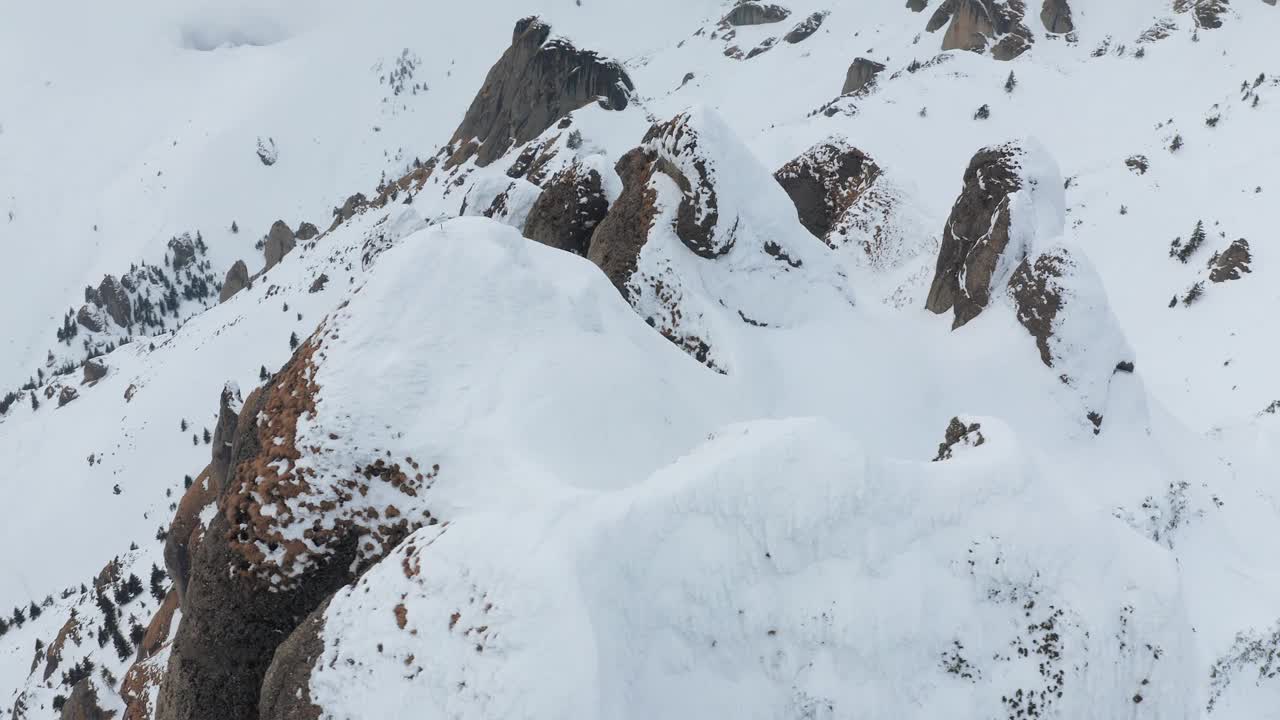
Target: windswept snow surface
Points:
(628, 533)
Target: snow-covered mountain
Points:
(712, 358)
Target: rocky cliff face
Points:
(1011, 195)
(537, 81)
(983, 25)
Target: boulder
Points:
(536, 82)
(83, 704)
(862, 72)
(805, 28)
(753, 12)
(350, 207)
(917, 5)
(567, 212)
(237, 280)
(959, 434)
(1232, 263)
(94, 370)
(825, 181)
(67, 394)
(306, 231)
(279, 242)
(1011, 195)
(1056, 16)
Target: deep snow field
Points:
(629, 532)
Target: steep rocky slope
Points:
(722, 359)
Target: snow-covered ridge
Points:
(463, 456)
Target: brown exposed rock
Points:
(67, 394)
(279, 242)
(1056, 16)
(1037, 300)
(825, 181)
(112, 295)
(241, 602)
(88, 320)
(350, 207)
(318, 284)
(678, 155)
(753, 12)
(157, 632)
(237, 280)
(306, 231)
(567, 212)
(1231, 264)
(286, 687)
(974, 24)
(53, 655)
(617, 240)
(958, 433)
(136, 688)
(94, 370)
(975, 236)
(82, 703)
(805, 28)
(536, 82)
(861, 74)
(186, 530)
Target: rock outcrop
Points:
(825, 181)
(805, 28)
(862, 72)
(306, 231)
(237, 279)
(617, 241)
(83, 703)
(981, 25)
(112, 296)
(278, 244)
(567, 212)
(1056, 16)
(536, 82)
(182, 251)
(1011, 194)
(1232, 263)
(93, 371)
(286, 687)
(1059, 299)
(187, 528)
(959, 434)
(1207, 13)
(253, 576)
(672, 150)
(753, 12)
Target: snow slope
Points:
(630, 534)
